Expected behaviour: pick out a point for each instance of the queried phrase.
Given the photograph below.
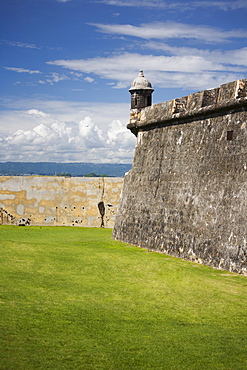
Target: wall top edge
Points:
(61, 178)
(228, 96)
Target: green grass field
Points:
(73, 298)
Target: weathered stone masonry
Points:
(186, 194)
(58, 201)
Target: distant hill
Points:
(73, 169)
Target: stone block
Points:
(228, 91)
(195, 101)
(242, 89)
(210, 97)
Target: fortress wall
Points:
(186, 194)
(56, 201)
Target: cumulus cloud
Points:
(44, 136)
(22, 70)
(171, 30)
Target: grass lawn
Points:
(73, 298)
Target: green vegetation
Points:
(73, 298)
(92, 174)
(64, 174)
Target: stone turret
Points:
(141, 92)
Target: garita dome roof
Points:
(141, 83)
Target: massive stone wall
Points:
(54, 201)
(186, 194)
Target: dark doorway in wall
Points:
(101, 208)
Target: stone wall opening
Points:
(101, 208)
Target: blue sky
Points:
(66, 66)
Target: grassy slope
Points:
(72, 298)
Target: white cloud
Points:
(116, 128)
(37, 113)
(235, 57)
(141, 3)
(66, 131)
(179, 6)
(22, 70)
(101, 113)
(89, 79)
(171, 30)
(55, 77)
(20, 44)
(186, 71)
(180, 67)
(76, 75)
(223, 5)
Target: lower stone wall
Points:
(57, 201)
